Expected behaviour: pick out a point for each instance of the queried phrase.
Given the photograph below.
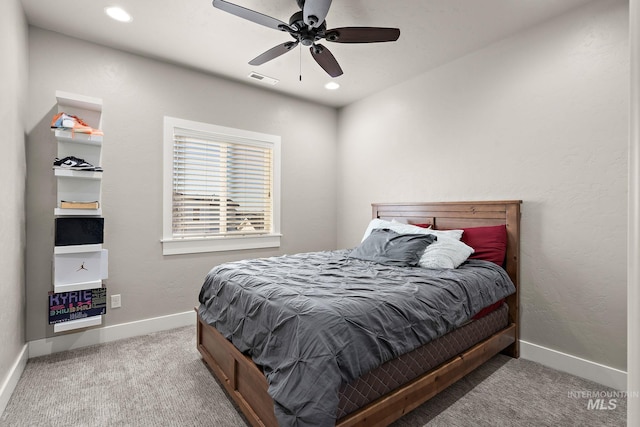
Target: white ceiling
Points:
(194, 34)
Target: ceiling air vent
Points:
(263, 79)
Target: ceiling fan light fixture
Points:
(332, 86)
(118, 13)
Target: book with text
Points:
(79, 205)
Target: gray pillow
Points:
(387, 247)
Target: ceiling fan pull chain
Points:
(300, 50)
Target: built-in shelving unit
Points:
(84, 266)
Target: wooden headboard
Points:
(444, 215)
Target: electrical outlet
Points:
(116, 301)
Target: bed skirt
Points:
(396, 372)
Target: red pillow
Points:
(489, 243)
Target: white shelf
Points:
(66, 99)
(77, 212)
(79, 186)
(76, 249)
(70, 173)
(80, 286)
(79, 270)
(77, 137)
(77, 324)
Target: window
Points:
(221, 188)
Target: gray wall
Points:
(541, 116)
(137, 93)
(13, 81)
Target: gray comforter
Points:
(314, 321)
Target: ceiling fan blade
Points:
(272, 53)
(326, 60)
(362, 35)
(250, 15)
(315, 11)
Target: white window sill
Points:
(219, 244)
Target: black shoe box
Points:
(79, 231)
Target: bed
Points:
(383, 394)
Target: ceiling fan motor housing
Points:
(306, 35)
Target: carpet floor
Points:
(160, 380)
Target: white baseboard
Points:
(601, 374)
(10, 382)
(89, 337)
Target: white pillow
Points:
(446, 252)
(451, 234)
(401, 220)
(398, 227)
(409, 229)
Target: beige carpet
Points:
(160, 380)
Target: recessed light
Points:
(332, 86)
(118, 14)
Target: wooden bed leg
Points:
(514, 318)
(513, 350)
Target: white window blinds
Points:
(222, 185)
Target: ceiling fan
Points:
(308, 26)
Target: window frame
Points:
(175, 246)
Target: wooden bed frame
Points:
(247, 385)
